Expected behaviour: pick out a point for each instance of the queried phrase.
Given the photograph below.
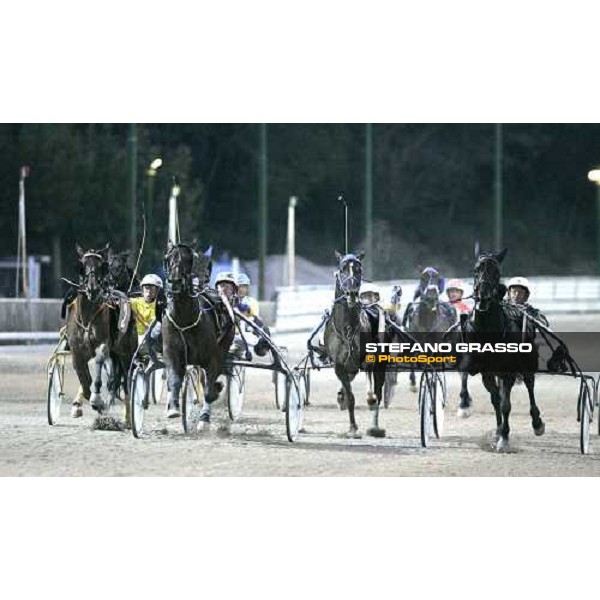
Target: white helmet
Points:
(369, 288)
(243, 279)
(152, 279)
(522, 281)
(225, 277)
(456, 284)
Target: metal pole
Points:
(498, 188)
(132, 155)
(343, 201)
(291, 245)
(369, 198)
(173, 217)
(262, 209)
(22, 242)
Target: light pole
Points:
(173, 214)
(369, 199)
(132, 156)
(498, 196)
(594, 176)
(291, 241)
(151, 172)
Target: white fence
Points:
(300, 308)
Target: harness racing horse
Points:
(342, 342)
(190, 326)
(494, 320)
(92, 332)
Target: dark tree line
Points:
(433, 190)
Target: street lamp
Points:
(594, 176)
(291, 241)
(151, 172)
(173, 214)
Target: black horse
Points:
(92, 332)
(342, 342)
(120, 274)
(192, 334)
(494, 320)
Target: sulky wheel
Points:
(585, 416)
(192, 394)
(294, 408)
(138, 399)
(236, 383)
(439, 404)
(56, 379)
(426, 406)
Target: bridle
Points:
(92, 276)
(179, 279)
(485, 282)
(349, 282)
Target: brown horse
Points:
(92, 332)
(190, 326)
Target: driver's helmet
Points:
(369, 294)
(226, 277)
(152, 279)
(520, 281)
(456, 284)
(243, 279)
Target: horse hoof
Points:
(203, 426)
(97, 403)
(463, 413)
(413, 388)
(376, 432)
(502, 445)
(76, 411)
(540, 430)
(353, 434)
(173, 413)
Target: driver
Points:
(147, 310)
(519, 291)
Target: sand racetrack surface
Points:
(256, 444)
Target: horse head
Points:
(349, 276)
(184, 265)
(93, 270)
(119, 272)
(486, 280)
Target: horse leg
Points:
(413, 380)
(506, 383)
(341, 399)
(96, 398)
(212, 391)
(391, 378)
(536, 420)
(345, 379)
(379, 377)
(175, 373)
(85, 380)
(464, 408)
(489, 382)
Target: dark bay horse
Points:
(494, 320)
(92, 332)
(190, 326)
(342, 342)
